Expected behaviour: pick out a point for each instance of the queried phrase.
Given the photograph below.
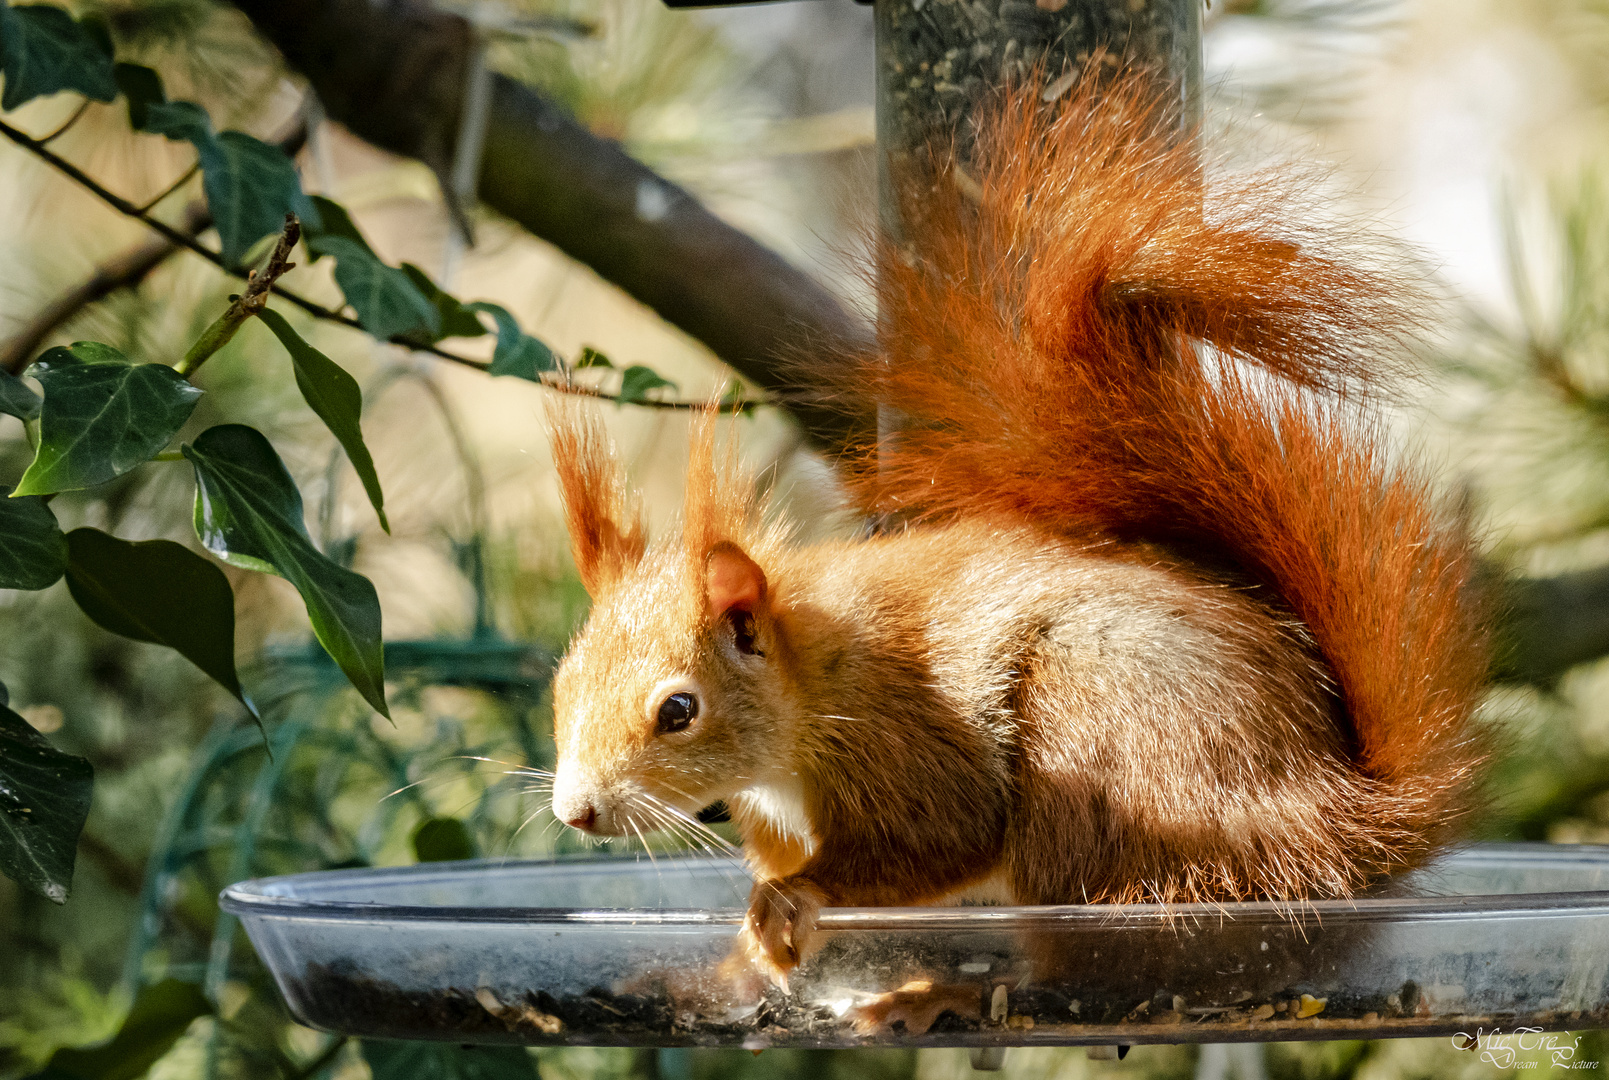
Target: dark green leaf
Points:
(388, 304)
(517, 353)
(16, 399)
(447, 1061)
(101, 420)
(249, 513)
(44, 799)
(42, 51)
(94, 24)
(141, 89)
(79, 352)
(333, 221)
(181, 121)
(591, 357)
(334, 395)
(33, 552)
(457, 319)
(160, 592)
(443, 839)
(637, 380)
(161, 1014)
(250, 185)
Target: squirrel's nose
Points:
(584, 819)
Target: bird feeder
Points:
(619, 952)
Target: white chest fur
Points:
(781, 804)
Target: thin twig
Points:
(318, 311)
(249, 303)
(125, 271)
(69, 122)
(171, 188)
(189, 243)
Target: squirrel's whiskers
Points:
(1159, 622)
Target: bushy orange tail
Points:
(1110, 342)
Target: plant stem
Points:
(249, 303)
(318, 311)
(171, 188)
(189, 243)
(122, 272)
(69, 122)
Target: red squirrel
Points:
(1158, 620)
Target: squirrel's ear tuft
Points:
(605, 522)
(733, 582)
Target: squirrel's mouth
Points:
(639, 809)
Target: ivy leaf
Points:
(16, 399)
(457, 319)
(180, 121)
(333, 221)
(79, 352)
(388, 304)
(100, 420)
(44, 799)
(141, 89)
(249, 514)
(637, 380)
(334, 395)
(43, 51)
(161, 1014)
(446, 1061)
(250, 185)
(517, 353)
(160, 592)
(33, 552)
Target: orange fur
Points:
(1160, 622)
(1064, 385)
(605, 523)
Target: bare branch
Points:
(123, 272)
(393, 73)
(20, 349)
(190, 243)
(1551, 624)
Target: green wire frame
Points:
(235, 817)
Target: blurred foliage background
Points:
(1472, 127)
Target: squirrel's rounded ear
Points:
(733, 582)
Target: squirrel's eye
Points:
(677, 711)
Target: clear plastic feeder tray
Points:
(625, 952)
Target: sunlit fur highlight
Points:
(1155, 619)
(605, 522)
(1046, 353)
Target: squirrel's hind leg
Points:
(1193, 754)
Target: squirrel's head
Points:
(667, 699)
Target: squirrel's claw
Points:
(917, 1004)
(781, 923)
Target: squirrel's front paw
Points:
(780, 925)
